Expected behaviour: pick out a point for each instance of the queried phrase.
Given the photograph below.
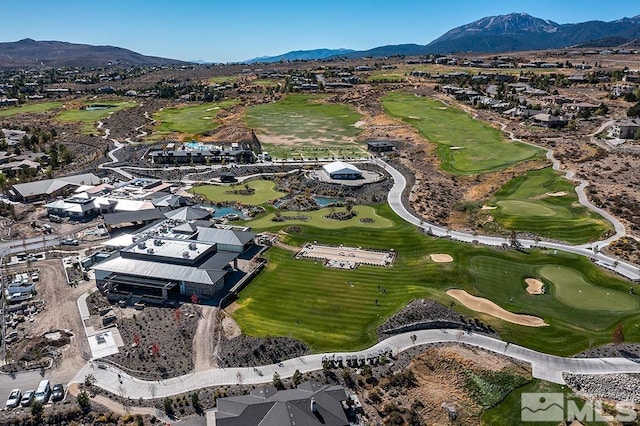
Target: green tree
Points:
(297, 377)
(277, 382)
(36, 410)
(84, 401)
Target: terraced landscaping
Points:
(333, 309)
(188, 121)
(89, 114)
(545, 203)
(465, 146)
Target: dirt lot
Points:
(60, 313)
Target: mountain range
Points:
(503, 33)
(31, 53)
(493, 34)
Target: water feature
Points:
(223, 211)
(95, 107)
(325, 201)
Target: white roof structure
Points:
(340, 167)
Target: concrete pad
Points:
(104, 343)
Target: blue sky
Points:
(226, 31)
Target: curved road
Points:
(111, 154)
(627, 269)
(546, 367)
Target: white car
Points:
(14, 398)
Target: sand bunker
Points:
(455, 148)
(480, 304)
(212, 108)
(488, 208)
(441, 258)
(534, 286)
(413, 117)
(556, 194)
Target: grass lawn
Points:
(510, 409)
(465, 145)
(305, 117)
(318, 220)
(523, 205)
(334, 315)
(222, 193)
(188, 120)
(223, 79)
(89, 117)
(24, 109)
(386, 77)
(344, 150)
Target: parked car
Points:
(14, 398)
(57, 392)
(27, 397)
(35, 277)
(69, 242)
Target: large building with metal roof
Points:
(49, 188)
(174, 257)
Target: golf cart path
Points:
(592, 250)
(546, 367)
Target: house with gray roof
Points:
(310, 404)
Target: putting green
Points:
(570, 288)
(517, 208)
(264, 192)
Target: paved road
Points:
(627, 269)
(547, 367)
(17, 246)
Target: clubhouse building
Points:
(173, 258)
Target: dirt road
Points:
(204, 341)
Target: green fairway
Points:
(509, 411)
(264, 192)
(188, 120)
(27, 108)
(89, 114)
(366, 217)
(340, 309)
(305, 118)
(465, 145)
(527, 204)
